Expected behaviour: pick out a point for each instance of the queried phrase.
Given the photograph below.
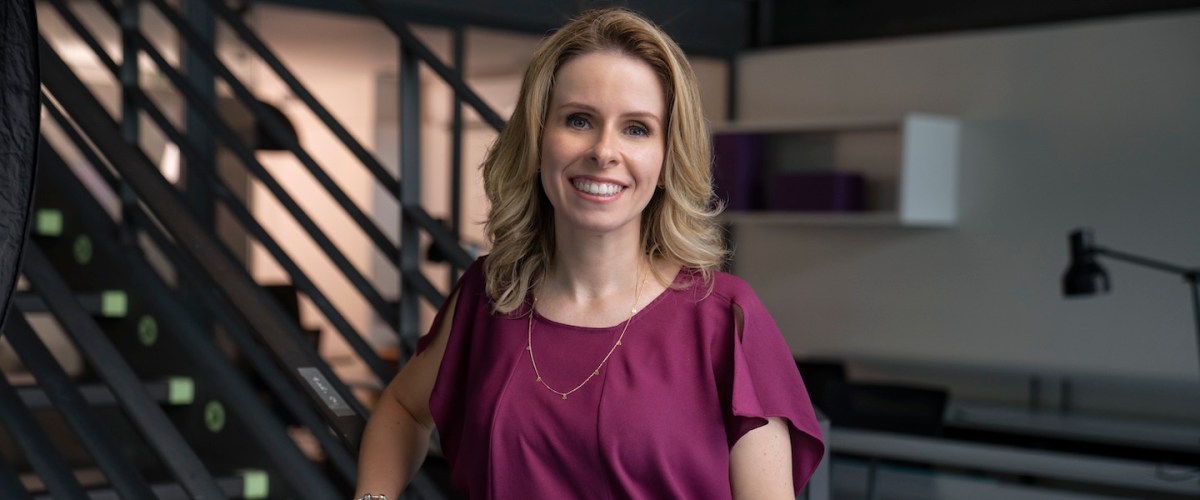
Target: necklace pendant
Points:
(564, 396)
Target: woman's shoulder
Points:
(721, 291)
(472, 283)
(723, 286)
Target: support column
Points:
(410, 194)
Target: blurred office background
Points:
(925, 307)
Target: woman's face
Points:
(603, 143)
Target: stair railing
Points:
(75, 409)
(219, 373)
(414, 217)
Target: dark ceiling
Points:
(725, 27)
(784, 22)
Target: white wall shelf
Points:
(909, 165)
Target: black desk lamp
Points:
(1085, 276)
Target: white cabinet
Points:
(908, 166)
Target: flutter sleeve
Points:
(766, 384)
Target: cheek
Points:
(653, 165)
(555, 152)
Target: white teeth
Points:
(597, 188)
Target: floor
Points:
(892, 482)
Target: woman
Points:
(597, 352)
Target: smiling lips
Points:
(594, 188)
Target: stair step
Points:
(173, 391)
(103, 304)
(249, 484)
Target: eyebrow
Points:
(593, 110)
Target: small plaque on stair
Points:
(321, 386)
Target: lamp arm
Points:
(1190, 274)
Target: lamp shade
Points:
(264, 140)
(1084, 275)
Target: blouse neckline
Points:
(679, 275)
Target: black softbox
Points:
(19, 113)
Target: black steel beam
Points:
(75, 409)
(339, 259)
(281, 387)
(143, 410)
(410, 42)
(10, 483)
(219, 373)
(99, 165)
(39, 450)
(29, 302)
(410, 191)
(95, 395)
(249, 223)
(275, 127)
(390, 184)
(259, 310)
(456, 145)
(233, 487)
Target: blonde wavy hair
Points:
(679, 225)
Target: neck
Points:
(591, 267)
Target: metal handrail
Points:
(229, 137)
(441, 236)
(91, 41)
(75, 409)
(419, 49)
(10, 485)
(40, 451)
(260, 311)
(277, 129)
(336, 319)
(112, 368)
(199, 342)
(414, 282)
(259, 360)
(299, 278)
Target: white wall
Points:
(1093, 123)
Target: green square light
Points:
(114, 303)
(48, 222)
(180, 391)
(255, 483)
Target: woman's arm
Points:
(760, 463)
(396, 439)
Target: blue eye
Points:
(577, 120)
(638, 130)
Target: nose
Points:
(605, 151)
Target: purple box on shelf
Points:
(817, 191)
(737, 168)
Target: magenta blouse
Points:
(657, 423)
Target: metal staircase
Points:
(196, 382)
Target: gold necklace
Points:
(637, 295)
